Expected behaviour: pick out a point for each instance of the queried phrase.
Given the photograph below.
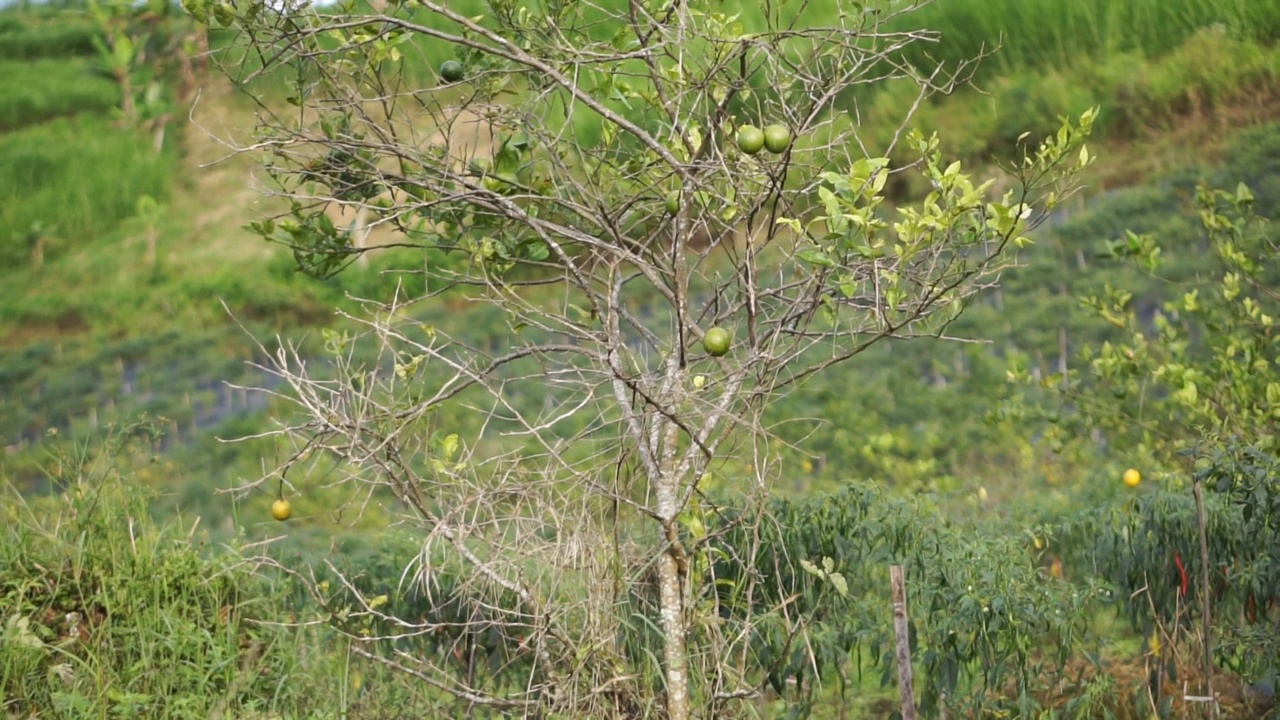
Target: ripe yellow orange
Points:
(1132, 477)
(281, 509)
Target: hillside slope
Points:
(119, 254)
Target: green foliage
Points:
(79, 386)
(32, 92)
(984, 616)
(1039, 35)
(1199, 365)
(1147, 546)
(33, 33)
(1188, 393)
(107, 614)
(69, 182)
(1206, 71)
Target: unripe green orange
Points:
(716, 342)
(750, 139)
(777, 138)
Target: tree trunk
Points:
(149, 260)
(37, 253)
(157, 134)
(360, 234)
(902, 631)
(673, 565)
(671, 583)
(126, 90)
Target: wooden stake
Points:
(1206, 597)
(900, 627)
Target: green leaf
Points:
(839, 583)
(449, 446)
(816, 257)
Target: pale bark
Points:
(902, 629)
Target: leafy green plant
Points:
(32, 92)
(109, 615)
(1189, 391)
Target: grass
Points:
(41, 32)
(1040, 35)
(105, 612)
(70, 181)
(46, 88)
(98, 598)
(1211, 78)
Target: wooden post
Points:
(903, 633)
(1207, 615)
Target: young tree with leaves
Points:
(584, 169)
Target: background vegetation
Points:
(94, 330)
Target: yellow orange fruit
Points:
(281, 509)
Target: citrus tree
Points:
(671, 208)
(1189, 393)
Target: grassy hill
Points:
(120, 254)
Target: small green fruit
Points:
(716, 342)
(673, 202)
(777, 138)
(451, 71)
(750, 139)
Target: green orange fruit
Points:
(673, 202)
(451, 71)
(750, 139)
(716, 342)
(777, 138)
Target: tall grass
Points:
(1039, 34)
(71, 181)
(45, 32)
(32, 92)
(106, 614)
